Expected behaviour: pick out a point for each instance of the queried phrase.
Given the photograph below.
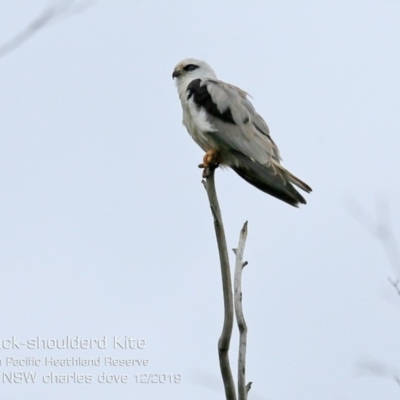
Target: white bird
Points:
(224, 123)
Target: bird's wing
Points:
(237, 124)
(241, 131)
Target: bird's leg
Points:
(211, 160)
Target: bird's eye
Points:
(190, 67)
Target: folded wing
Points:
(242, 132)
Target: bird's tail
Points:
(272, 179)
(294, 179)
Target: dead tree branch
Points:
(379, 369)
(395, 284)
(243, 389)
(225, 338)
(382, 229)
(53, 12)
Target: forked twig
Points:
(243, 389)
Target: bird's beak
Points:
(176, 74)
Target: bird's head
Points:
(189, 69)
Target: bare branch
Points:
(243, 389)
(381, 228)
(248, 387)
(54, 11)
(395, 284)
(380, 369)
(225, 338)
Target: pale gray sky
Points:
(105, 226)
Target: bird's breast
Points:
(196, 122)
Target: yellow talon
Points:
(211, 159)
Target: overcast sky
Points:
(106, 229)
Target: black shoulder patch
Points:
(202, 98)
